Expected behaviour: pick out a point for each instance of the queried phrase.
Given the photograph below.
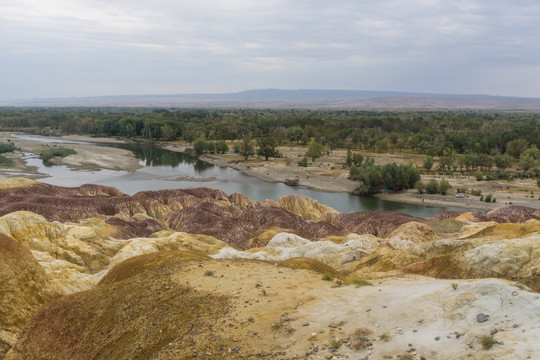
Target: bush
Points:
(303, 162)
(327, 277)
(475, 192)
(432, 187)
(420, 186)
(6, 147)
(444, 186)
(57, 151)
(479, 175)
(354, 173)
(488, 198)
(487, 341)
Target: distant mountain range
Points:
(311, 98)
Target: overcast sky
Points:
(64, 48)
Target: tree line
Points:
(434, 133)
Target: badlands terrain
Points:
(92, 273)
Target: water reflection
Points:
(165, 169)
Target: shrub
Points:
(488, 198)
(384, 337)
(6, 147)
(56, 151)
(420, 186)
(327, 277)
(303, 162)
(444, 186)
(354, 173)
(432, 187)
(487, 341)
(479, 175)
(475, 192)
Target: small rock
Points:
(515, 326)
(305, 324)
(286, 318)
(514, 293)
(251, 319)
(494, 331)
(481, 318)
(437, 338)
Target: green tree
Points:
(428, 163)
(516, 147)
(357, 159)
(199, 146)
(444, 186)
(315, 151)
(502, 161)
(349, 159)
(354, 173)
(222, 147)
(432, 187)
(446, 162)
(526, 161)
(267, 147)
(168, 133)
(246, 148)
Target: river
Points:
(165, 169)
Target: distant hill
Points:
(276, 98)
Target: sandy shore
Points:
(88, 157)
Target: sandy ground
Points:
(88, 157)
(421, 316)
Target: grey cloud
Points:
(80, 48)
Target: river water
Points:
(165, 169)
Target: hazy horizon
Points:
(62, 49)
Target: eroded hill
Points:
(91, 273)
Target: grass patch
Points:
(360, 282)
(384, 337)
(48, 154)
(5, 162)
(487, 341)
(335, 344)
(327, 277)
(208, 273)
(454, 286)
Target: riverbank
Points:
(89, 157)
(326, 174)
(329, 174)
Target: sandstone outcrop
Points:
(305, 207)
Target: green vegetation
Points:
(5, 162)
(448, 140)
(315, 151)
(267, 147)
(392, 176)
(48, 154)
(327, 277)
(6, 147)
(487, 341)
(303, 162)
(384, 337)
